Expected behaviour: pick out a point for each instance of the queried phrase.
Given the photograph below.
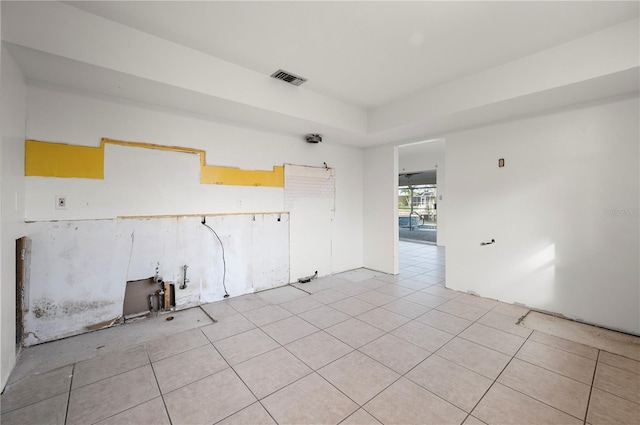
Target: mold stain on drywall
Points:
(46, 308)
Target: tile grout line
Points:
(66, 413)
(529, 396)
(153, 370)
(496, 379)
(593, 380)
(258, 400)
(562, 349)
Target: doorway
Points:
(417, 207)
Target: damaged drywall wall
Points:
(80, 269)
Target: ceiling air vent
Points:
(288, 77)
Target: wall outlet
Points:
(61, 202)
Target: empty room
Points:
(320, 212)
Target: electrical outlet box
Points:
(61, 202)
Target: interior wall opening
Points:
(417, 207)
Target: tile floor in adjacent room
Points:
(356, 348)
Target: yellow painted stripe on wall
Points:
(49, 159)
(238, 177)
(62, 160)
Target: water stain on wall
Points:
(48, 308)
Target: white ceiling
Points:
(366, 53)
(379, 72)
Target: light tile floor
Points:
(355, 348)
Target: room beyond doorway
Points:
(417, 207)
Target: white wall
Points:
(12, 126)
(381, 208)
(166, 182)
(154, 182)
(426, 156)
(79, 269)
(563, 212)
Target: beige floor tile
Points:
(98, 368)
(618, 381)
(423, 335)
(476, 301)
(444, 321)
(105, 398)
(164, 347)
(566, 345)
(390, 278)
(267, 314)
(553, 389)
(502, 405)
(395, 353)
(439, 273)
(415, 283)
(471, 420)
(465, 311)
(405, 402)
(271, 371)
(251, 415)
(429, 278)
(184, 368)
(406, 308)
(301, 305)
(311, 400)
(49, 411)
(219, 310)
(318, 349)
(454, 383)
(358, 376)
(246, 303)
(442, 292)
(352, 306)
(289, 329)
(360, 417)
(608, 409)
(244, 346)
(323, 317)
(480, 359)
(513, 310)
(493, 338)
(323, 283)
(426, 299)
(504, 323)
(559, 361)
(355, 332)
(373, 283)
(314, 286)
(359, 275)
(351, 288)
(395, 290)
(36, 388)
(383, 319)
(620, 362)
(150, 412)
(208, 400)
(227, 326)
(376, 298)
(329, 296)
(282, 294)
